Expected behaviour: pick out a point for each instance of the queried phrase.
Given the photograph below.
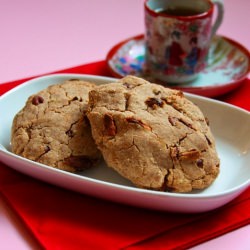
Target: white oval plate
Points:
(230, 126)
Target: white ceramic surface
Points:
(230, 125)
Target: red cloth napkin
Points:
(62, 219)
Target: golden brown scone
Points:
(53, 129)
(153, 135)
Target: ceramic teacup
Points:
(178, 35)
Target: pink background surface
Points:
(43, 36)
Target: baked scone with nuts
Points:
(153, 135)
(53, 129)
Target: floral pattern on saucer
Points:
(228, 65)
(129, 59)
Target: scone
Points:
(153, 135)
(53, 128)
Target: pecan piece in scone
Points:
(37, 100)
(192, 154)
(154, 102)
(139, 122)
(109, 125)
(199, 163)
(187, 124)
(172, 120)
(174, 153)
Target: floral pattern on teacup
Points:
(176, 47)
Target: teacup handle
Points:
(220, 14)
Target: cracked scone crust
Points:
(53, 128)
(153, 135)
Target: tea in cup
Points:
(178, 35)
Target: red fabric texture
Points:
(62, 219)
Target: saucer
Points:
(228, 65)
